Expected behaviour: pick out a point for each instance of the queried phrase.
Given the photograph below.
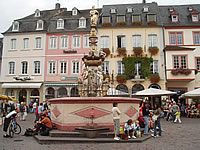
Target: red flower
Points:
(122, 51)
(153, 50)
(106, 24)
(155, 78)
(107, 51)
(121, 79)
(138, 50)
(181, 71)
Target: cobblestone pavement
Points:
(185, 136)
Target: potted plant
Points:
(107, 51)
(121, 79)
(137, 23)
(153, 50)
(137, 50)
(106, 24)
(154, 78)
(121, 23)
(181, 71)
(122, 51)
(152, 23)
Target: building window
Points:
(112, 10)
(106, 19)
(154, 66)
(37, 13)
(82, 22)
(15, 26)
(24, 67)
(36, 67)
(13, 44)
(198, 63)
(60, 24)
(52, 67)
(129, 10)
(176, 38)
(136, 18)
(86, 41)
(38, 42)
(105, 67)
(145, 9)
(121, 41)
(180, 61)
(137, 39)
(74, 12)
(153, 41)
(120, 68)
(138, 68)
(104, 41)
(196, 37)
(53, 42)
(64, 42)
(174, 18)
(120, 18)
(26, 43)
(75, 67)
(11, 68)
(195, 18)
(63, 67)
(76, 42)
(39, 25)
(151, 17)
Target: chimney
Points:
(57, 6)
(144, 1)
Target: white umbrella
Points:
(191, 94)
(113, 91)
(153, 92)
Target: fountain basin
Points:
(72, 112)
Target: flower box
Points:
(106, 24)
(107, 51)
(137, 23)
(153, 50)
(181, 71)
(121, 79)
(122, 23)
(121, 51)
(154, 78)
(138, 51)
(152, 23)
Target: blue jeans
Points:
(157, 123)
(146, 128)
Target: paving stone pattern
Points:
(185, 136)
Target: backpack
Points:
(28, 132)
(45, 132)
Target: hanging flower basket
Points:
(137, 23)
(137, 50)
(121, 79)
(181, 71)
(106, 24)
(122, 23)
(107, 51)
(154, 78)
(121, 51)
(152, 23)
(153, 50)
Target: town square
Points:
(100, 75)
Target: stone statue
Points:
(100, 78)
(94, 14)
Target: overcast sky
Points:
(15, 9)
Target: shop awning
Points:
(61, 84)
(21, 85)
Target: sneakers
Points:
(133, 137)
(6, 136)
(153, 135)
(129, 137)
(116, 138)
(151, 130)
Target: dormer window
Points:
(195, 18)
(60, 24)
(40, 24)
(37, 13)
(120, 18)
(190, 8)
(151, 17)
(145, 9)
(15, 26)
(174, 18)
(105, 19)
(112, 10)
(129, 10)
(171, 9)
(82, 22)
(74, 11)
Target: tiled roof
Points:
(168, 48)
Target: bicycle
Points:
(14, 128)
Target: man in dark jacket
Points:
(145, 112)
